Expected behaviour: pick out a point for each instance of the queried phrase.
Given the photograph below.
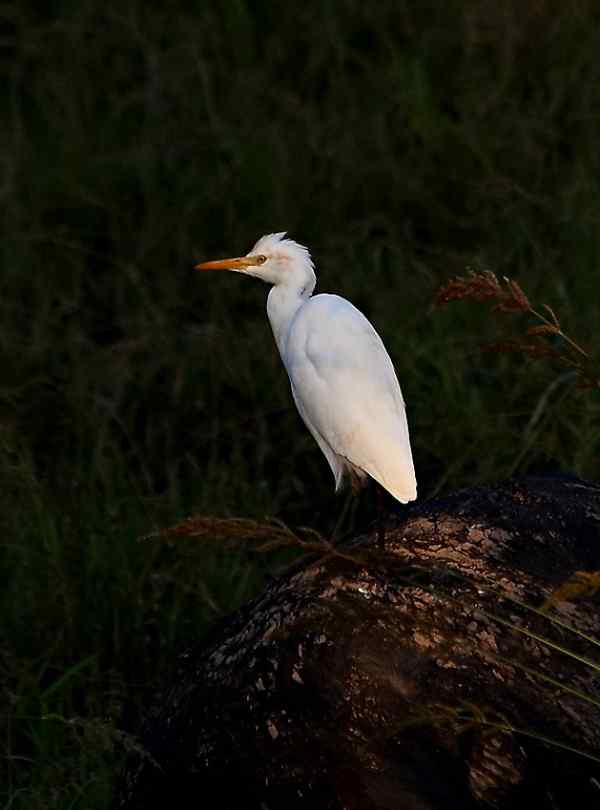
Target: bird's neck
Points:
(282, 304)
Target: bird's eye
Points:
(261, 259)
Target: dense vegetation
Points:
(403, 142)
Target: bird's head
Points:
(273, 259)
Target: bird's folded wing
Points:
(349, 393)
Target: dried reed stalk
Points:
(546, 339)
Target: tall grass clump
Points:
(403, 143)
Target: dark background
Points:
(403, 142)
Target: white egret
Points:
(343, 381)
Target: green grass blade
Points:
(66, 676)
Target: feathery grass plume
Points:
(578, 586)
(266, 535)
(538, 342)
(274, 535)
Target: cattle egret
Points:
(343, 381)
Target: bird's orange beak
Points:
(228, 264)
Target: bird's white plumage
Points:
(347, 393)
(343, 381)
